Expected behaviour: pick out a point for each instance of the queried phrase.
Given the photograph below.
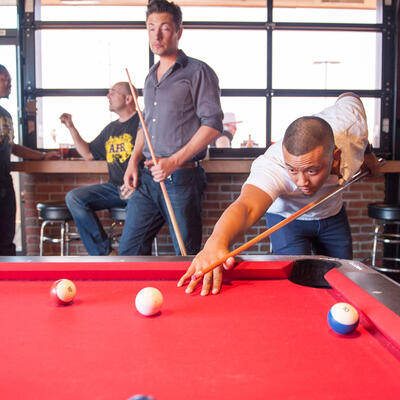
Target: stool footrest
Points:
(386, 269)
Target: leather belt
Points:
(187, 164)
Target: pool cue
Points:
(154, 158)
(356, 177)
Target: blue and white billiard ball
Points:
(343, 318)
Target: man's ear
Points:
(180, 33)
(129, 99)
(336, 161)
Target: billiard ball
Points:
(63, 291)
(149, 301)
(343, 318)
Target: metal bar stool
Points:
(118, 216)
(56, 213)
(385, 215)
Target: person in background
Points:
(114, 144)
(316, 154)
(8, 147)
(183, 115)
(224, 139)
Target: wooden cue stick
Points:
(154, 158)
(356, 177)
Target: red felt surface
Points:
(258, 340)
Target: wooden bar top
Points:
(213, 166)
(219, 166)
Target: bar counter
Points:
(218, 166)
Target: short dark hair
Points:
(3, 69)
(307, 133)
(163, 6)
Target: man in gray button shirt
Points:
(183, 115)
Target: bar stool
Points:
(118, 216)
(56, 213)
(385, 215)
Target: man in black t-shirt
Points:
(114, 144)
(8, 147)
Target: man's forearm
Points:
(201, 139)
(231, 225)
(137, 153)
(242, 214)
(27, 153)
(81, 145)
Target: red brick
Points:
(231, 188)
(217, 196)
(209, 204)
(352, 195)
(87, 179)
(48, 188)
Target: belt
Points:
(187, 164)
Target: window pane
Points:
(229, 53)
(8, 17)
(90, 116)
(326, 60)
(251, 111)
(286, 109)
(91, 13)
(135, 13)
(90, 58)
(231, 14)
(356, 13)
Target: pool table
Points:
(265, 336)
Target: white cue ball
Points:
(149, 301)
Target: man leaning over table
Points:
(316, 154)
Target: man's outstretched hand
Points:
(212, 281)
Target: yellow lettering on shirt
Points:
(6, 129)
(119, 148)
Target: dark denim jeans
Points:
(328, 237)
(82, 203)
(147, 212)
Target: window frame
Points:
(388, 72)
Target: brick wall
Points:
(221, 191)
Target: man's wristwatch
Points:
(369, 149)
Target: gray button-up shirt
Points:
(186, 98)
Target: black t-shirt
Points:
(6, 140)
(115, 145)
(223, 133)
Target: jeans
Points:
(148, 212)
(82, 203)
(7, 217)
(329, 237)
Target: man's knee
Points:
(74, 200)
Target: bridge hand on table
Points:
(212, 281)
